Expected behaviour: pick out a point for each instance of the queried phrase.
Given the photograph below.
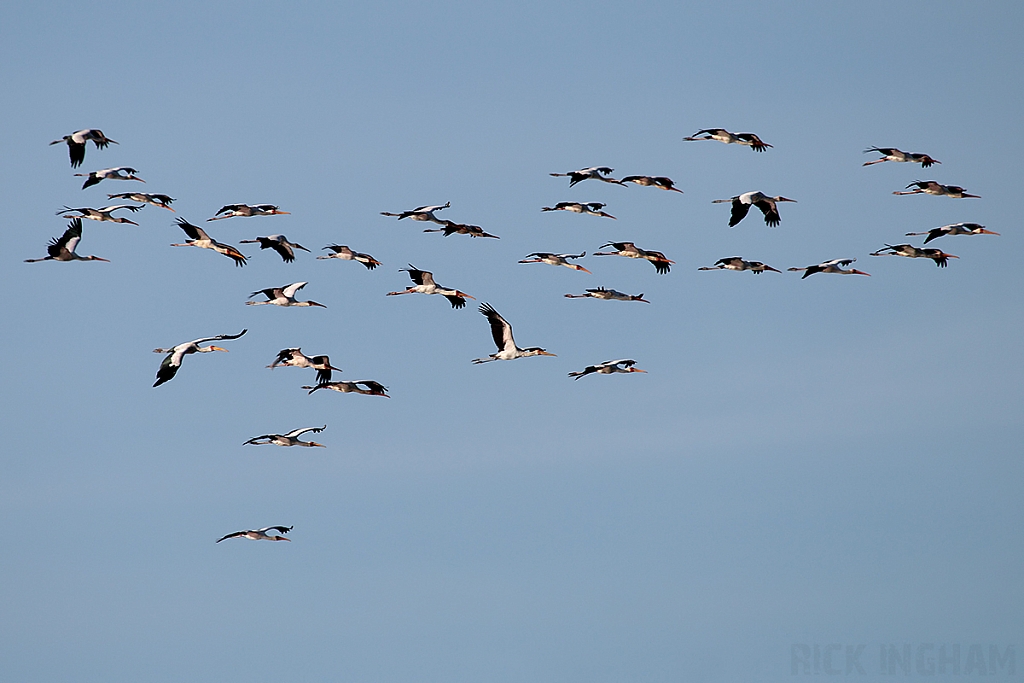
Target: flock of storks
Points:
(64, 249)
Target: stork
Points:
(741, 205)
(624, 365)
(282, 296)
(722, 135)
(103, 214)
(421, 213)
(602, 173)
(938, 189)
(501, 332)
(169, 367)
(660, 262)
(344, 253)
(296, 359)
(118, 173)
(424, 284)
(737, 263)
(161, 200)
(76, 143)
(260, 534)
(198, 238)
(63, 248)
(453, 228)
(368, 388)
(658, 181)
(589, 208)
(246, 210)
(289, 439)
(941, 258)
(955, 229)
(278, 243)
(893, 154)
(608, 295)
(555, 259)
(833, 266)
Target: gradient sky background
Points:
(830, 460)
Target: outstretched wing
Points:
(501, 330)
(220, 337)
(192, 231)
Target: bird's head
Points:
(854, 271)
(577, 267)
(636, 370)
(207, 349)
(96, 258)
(318, 445)
(537, 351)
(785, 199)
(639, 297)
(464, 295)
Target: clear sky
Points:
(834, 460)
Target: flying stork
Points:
(282, 296)
(161, 200)
(602, 173)
(893, 154)
(741, 205)
(722, 135)
(955, 229)
(589, 208)
(344, 253)
(737, 263)
(938, 189)
(833, 266)
(260, 534)
(369, 387)
(169, 367)
(76, 143)
(660, 262)
(658, 181)
(421, 213)
(245, 210)
(289, 439)
(296, 359)
(624, 365)
(278, 243)
(501, 332)
(453, 228)
(555, 259)
(608, 295)
(102, 214)
(941, 258)
(63, 248)
(424, 284)
(197, 237)
(118, 173)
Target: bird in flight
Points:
(76, 143)
(63, 248)
(172, 363)
(501, 332)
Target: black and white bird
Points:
(103, 214)
(421, 213)
(608, 295)
(278, 243)
(260, 534)
(289, 439)
(169, 367)
(117, 173)
(954, 229)
(76, 143)
(941, 258)
(197, 237)
(453, 228)
(893, 154)
(282, 296)
(602, 173)
(555, 259)
(63, 248)
(737, 263)
(423, 283)
(722, 135)
(660, 262)
(247, 210)
(345, 254)
(501, 332)
(296, 359)
(833, 266)
(161, 200)
(609, 367)
(658, 181)
(741, 205)
(938, 189)
(589, 208)
(366, 387)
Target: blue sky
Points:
(830, 460)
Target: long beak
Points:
(314, 443)
(783, 199)
(860, 272)
(313, 303)
(545, 353)
(636, 370)
(278, 213)
(217, 348)
(983, 231)
(949, 256)
(774, 270)
(97, 258)
(583, 269)
(973, 196)
(458, 293)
